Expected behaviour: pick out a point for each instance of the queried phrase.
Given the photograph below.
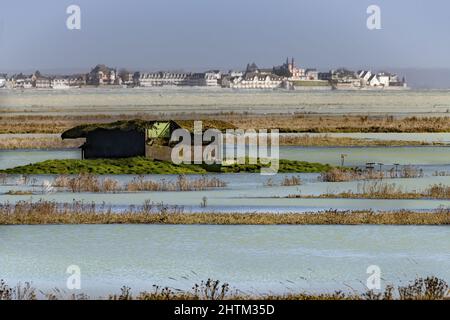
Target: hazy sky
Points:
(202, 34)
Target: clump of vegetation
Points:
(86, 182)
(407, 172)
(3, 178)
(438, 191)
(206, 290)
(291, 181)
(19, 193)
(142, 165)
(269, 183)
(286, 182)
(345, 174)
(342, 174)
(181, 184)
(429, 288)
(46, 212)
(19, 292)
(441, 174)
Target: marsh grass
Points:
(4, 178)
(329, 141)
(86, 182)
(441, 174)
(310, 123)
(39, 143)
(382, 190)
(344, 174)
(429, 288)
(18, 193)
(181, 184)
(286, 182)
(407, 172)
(299, 122)
(291, 181)
(46, 212)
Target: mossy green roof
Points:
(81, 131)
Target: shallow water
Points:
(359, 156)
(249, 192)
(256, 259)
(14, 158)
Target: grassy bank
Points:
(429, 288)
(285, 123)
(328, 141)
(39, 143)
(44, 212)
(52, 142)
(311, 83)
(341, 123)
(141, 165)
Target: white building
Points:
(157, 79)
(384, 79)
(256, 81)
(373, 81)
(381, 79)
(210, 79)
(22, 83)
(364, 75)
(60, 83)
(43, 83)
(2, 82)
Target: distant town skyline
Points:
(202, 34)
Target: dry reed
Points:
(45, 212)
(86, 182)
(429, 288)
(380, 190)
(39, 143)
(285, 123)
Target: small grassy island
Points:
(142, 165)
